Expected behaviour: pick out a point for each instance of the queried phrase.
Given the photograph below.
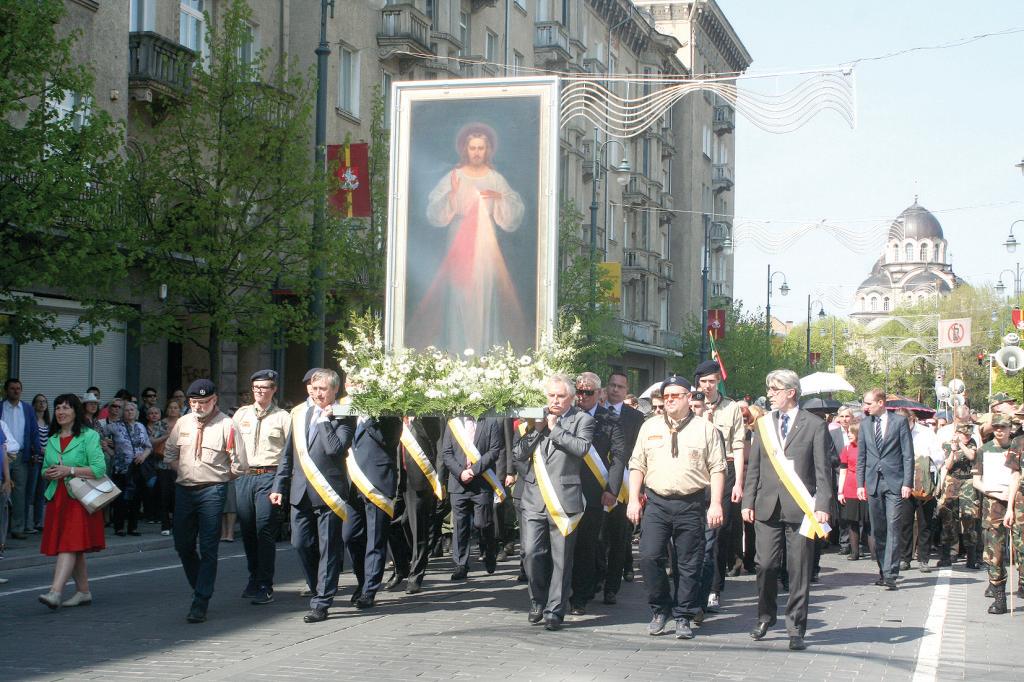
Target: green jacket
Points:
(83, 451)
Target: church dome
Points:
(878, 277)
(916, 222)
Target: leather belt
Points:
(256, 471)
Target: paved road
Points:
(136, 629)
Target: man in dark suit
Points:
(608, 445)
(472, 497)
(550, 454)
(885, 477)
(312, 471)
(420, 497)
(373, 469)
(618, 531)
(797, 441)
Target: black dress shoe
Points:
(414, 587)
(490, 564)
(460, 574)
(522, 577)
(577, 611)
(393, 582)
(880, 582)
(628, 575)
(364, 602)
(315, 616)
(536, 614)
(610, 598)
(761, 629)
(890, 584)
(197, 614)
(904, 565)
(797, 643)
(356, 596)
(552, 622)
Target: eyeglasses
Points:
(263, 388)
(585, 391)
(673, 396)
(658, 408)
(777, 389)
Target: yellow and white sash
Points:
(413, 449)
(600, 471)
(473, 456)
(565, 523)
(309, 468)
(382, 501)
(809, 528)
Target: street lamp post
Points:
(821, 314)
(705, 272)
(622, 168)
(1016, 273)
(784, 289)
(315, 354)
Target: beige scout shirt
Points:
(700, 451)
(221, 455)
(263, 433)
(728, 417)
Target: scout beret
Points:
(308, 376)
(201, 388)
(705, 368)
(676, 380)
(1000, 420)
(264, 375)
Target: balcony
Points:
(668, 339)
(668, 203)
(157, 67)
(595, 66)
(474, 66)
(721, 177)
(477, 5)
(404, 28)
(665, 269)
(551, 44)
(636, 190)
(724, 119)
(634, 259)
(721, 289)
(643, 332)
(443, 65)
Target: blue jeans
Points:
(197, 513)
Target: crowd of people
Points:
(712, 487)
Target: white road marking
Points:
(927, 665)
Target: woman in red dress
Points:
(854, 514)
(69, 531)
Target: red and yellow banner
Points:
(350, 164)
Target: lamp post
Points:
(821, 314)
(1011, 241)
(622, 168)
(784, 289)
(1016, 273)
(315, 353)
(709, 228)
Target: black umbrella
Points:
(821, 405)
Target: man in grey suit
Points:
(316, 506)
(885, 477)
(560, 441)
(803, 457)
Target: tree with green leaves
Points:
(225, 188)
(61, 225)
(584, 294)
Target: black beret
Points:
(309, 375)
(264, 375)
(201, 388)
(676, 380)
(705, 368)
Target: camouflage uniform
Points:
(992, 512)
(958, 513)
(1017, 532)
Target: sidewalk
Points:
(25, 553)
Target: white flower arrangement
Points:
(432, 382)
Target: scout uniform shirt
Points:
(995, 466)
(263, 433)
(699, 453)
(207, 455)
(728, 417)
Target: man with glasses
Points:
(204, 450)
(618, 532)
(263, 428)
(787, 493)
(676, 458)
(148, 399)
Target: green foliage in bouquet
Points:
(433, 382)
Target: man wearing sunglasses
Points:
(677, 457)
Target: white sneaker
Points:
(713, 603)
(165, 533)
(79, 599)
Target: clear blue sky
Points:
(945, 124)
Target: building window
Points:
(565, 12)
(385, 91)
(75, 106)
(348, 84)
(517, 64)
(895, 252)
(192, 26)
(464, 33)
(143, 14)
(249, 48)
(908, 252)
(431, 13)
(706, 140)
(885, 304)
(874, 304)
(925, 252)
(491, 46)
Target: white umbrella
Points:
(824, 382)
(651, 389)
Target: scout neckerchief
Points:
(565, 522)
(362, 481)
(313, 474)
(415, 452)
(810, 527)
(473, 456)
(673, 430)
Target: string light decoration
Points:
(856, 240)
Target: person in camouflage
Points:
(997, 473)
(958, 503)
(1015, 515)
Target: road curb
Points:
(123, 547)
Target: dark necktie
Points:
(785, 426)
(878, 432)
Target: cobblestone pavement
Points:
(136, 629)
